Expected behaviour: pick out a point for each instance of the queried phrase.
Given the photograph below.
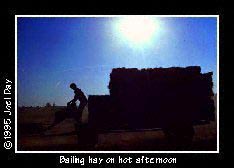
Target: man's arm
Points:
(73, 100)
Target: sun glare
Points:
(137, 29)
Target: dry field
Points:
(63, 136)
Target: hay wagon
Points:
(172, 99)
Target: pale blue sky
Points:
(53, 52)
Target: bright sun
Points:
(137, 29)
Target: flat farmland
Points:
(32, 120)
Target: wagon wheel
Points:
(179, 134)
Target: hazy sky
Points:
(54, 52)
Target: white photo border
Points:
(88, 16)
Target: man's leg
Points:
(80, 111)
(78, 115)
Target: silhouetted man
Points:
(79, 95)
(71, 110)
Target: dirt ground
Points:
(64, 137)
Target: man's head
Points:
(73, 86)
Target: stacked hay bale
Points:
(102, 114)
(153, 97)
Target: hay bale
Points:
(159, 95)
(101, 112)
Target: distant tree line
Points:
(48, 104)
